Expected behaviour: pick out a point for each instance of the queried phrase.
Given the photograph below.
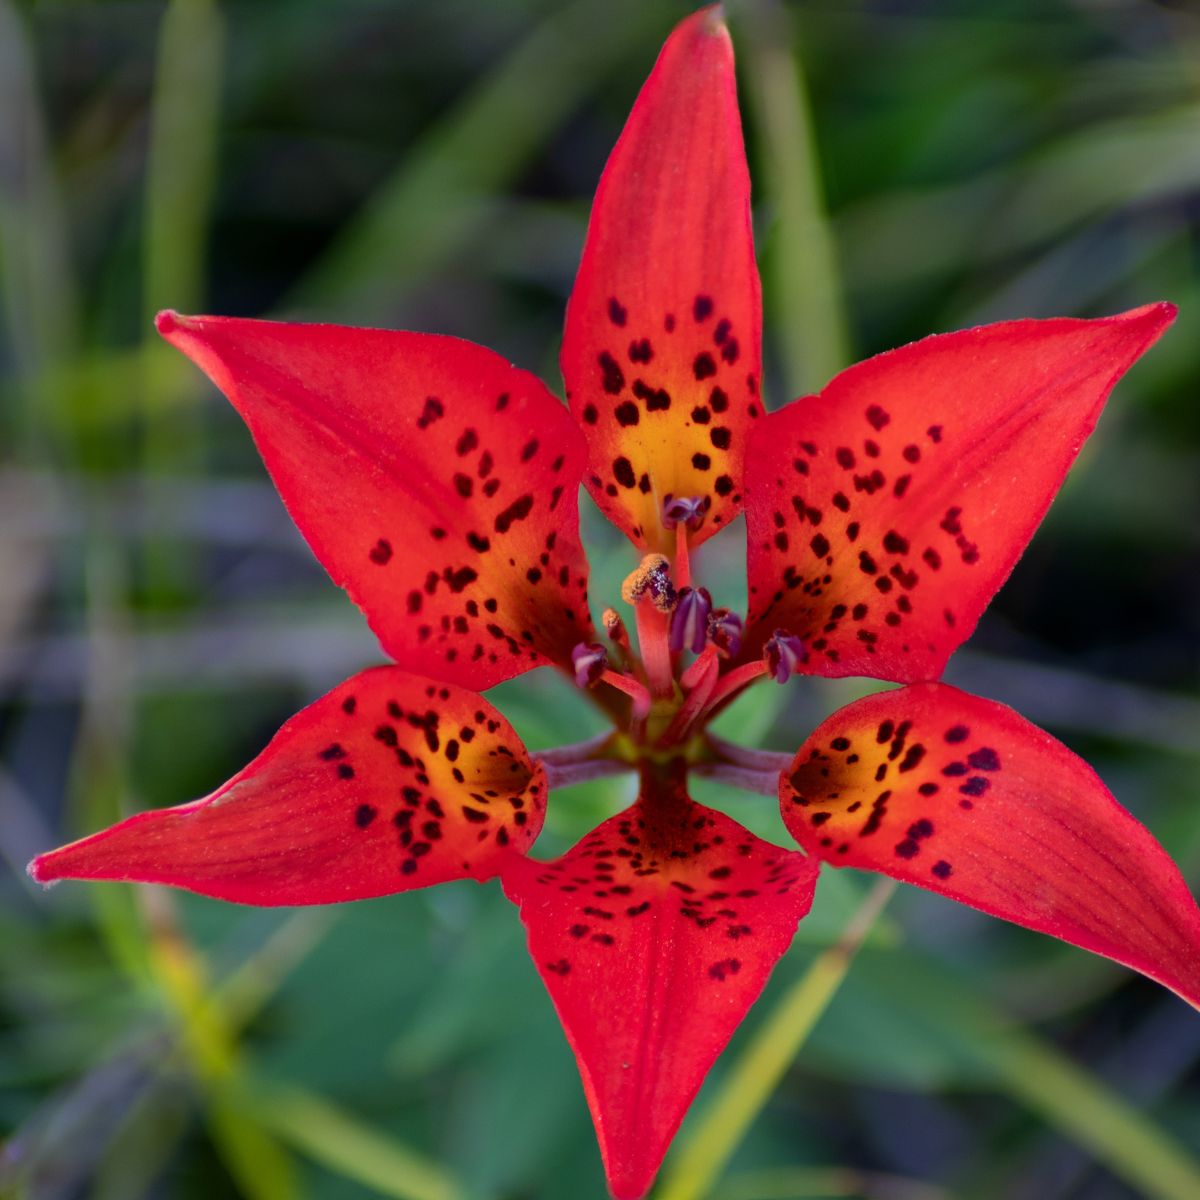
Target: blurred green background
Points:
(918, 166)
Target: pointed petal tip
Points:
(38, 872)
(167, 321)
(712, 20)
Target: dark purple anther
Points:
(686, 510)
(689, 620)
(590, 661)
(725, 630)
(784, 654)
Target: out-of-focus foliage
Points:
(919, 166)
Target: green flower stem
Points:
(712, 1139)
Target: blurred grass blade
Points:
(36, 283)
(1075, 1102)
(181, 161)
(806, 305)
(792, 1183)
(341, 1142)
(180, 176)
(1086, 176)
(710, 1141)
(259, 1165)
(446, 182)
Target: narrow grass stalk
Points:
(711, 1141)
(353, 1149)
(180, 181)
(804, 281)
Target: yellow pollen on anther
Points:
(640, 580)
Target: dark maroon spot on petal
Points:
(975, 786)
(845, 458)
(617, 313)
(984, 759)
(640, 351)
(912, 453)
(433, 410)
(721, 437)
(701, 462)
(957, 733)
(464, 485)
(627, 413)
(942, 869)
(704, 366)
(893, 543)
(702, 308)
(718, 400)
(623, 472)
(518, 510)
(720, 971)
(877, 418)
(723, 485)
(364, 814)
(590, 415)
(614, 377)
(381, 552)
(529, 450)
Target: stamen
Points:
(590, 661)
(784, 654)
(689, 621)
(633, 689)
(652, 580)
(684, 510)
(725, 631)
(698, 681)
(618, 635)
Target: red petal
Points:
(387, 783)
(435, 482)
(962, 796)
(663, 340)
(884, 513)
(654, 935)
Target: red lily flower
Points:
(438, 485)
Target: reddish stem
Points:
(737, 679)
(682, 575)
(655, 649)
(633, 689)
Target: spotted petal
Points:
(435, 482)
(960, 795)
(884, 513)
(387, 783)
(654, 935)
(661, 355)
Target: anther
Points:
(652, 581)
(725, 631)
(689, 620)
(684, 510)
(590, 662)
(615, 631)
(784, 654)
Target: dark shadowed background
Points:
(918, 167)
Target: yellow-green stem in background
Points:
(711, 1140)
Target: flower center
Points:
(685, 666)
